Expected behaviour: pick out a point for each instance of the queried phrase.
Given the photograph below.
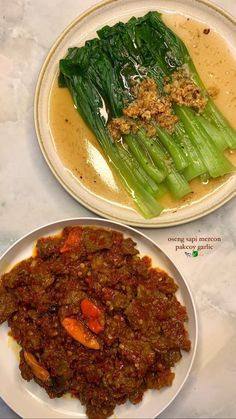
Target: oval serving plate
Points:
(31, 401)
(84, 28)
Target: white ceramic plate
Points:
(83, 28)
(31, 401)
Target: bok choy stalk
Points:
(100, 77)
(127, 50)
(215, 161)
(175, 182)
(165, 45)
(107, 77)
(91, 107)
(126, 62)
(94, 63)
(196, 165)
(157, 42)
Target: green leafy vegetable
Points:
(101, 75)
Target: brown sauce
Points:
(80, 151)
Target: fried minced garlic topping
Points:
(149, 108)
(183, 91)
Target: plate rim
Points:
(106, 223)
(156, 224)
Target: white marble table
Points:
(30, 197)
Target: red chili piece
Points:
(89, 309)
(93, 315)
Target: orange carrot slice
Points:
(40, 372)
(79, 332)
(73, 240)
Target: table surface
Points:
(31, 196)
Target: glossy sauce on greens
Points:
(80, 151)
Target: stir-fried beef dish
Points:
(94, 319)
